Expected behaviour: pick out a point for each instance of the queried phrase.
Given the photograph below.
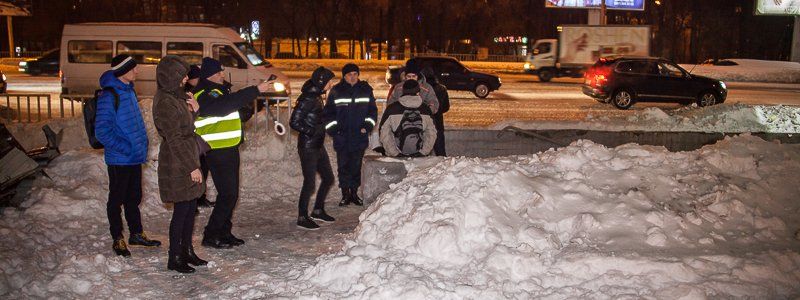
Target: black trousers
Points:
(438, 147)
(181, 226)
(124, 190)
(224, 167)
(313, 162)
(204, 172)
(349, 168)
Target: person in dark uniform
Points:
(350, 113)
(307, 121)
(219, 123)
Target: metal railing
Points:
(25, 54)
(28, 108)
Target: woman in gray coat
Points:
(179, 178)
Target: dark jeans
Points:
(314, 161)
(124, 189)
(438, 147)
(181, 226)
(349, 168)
(224, 167)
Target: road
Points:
(522, 97)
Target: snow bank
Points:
(736, 118)
(751, 70)
(581, 222)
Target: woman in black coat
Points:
(307, 121)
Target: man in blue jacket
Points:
(120, 128)
(349, 114)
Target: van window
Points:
(252, 55)
(89, 52)
(542, 48)
(148, 53)
(190, 51)
(228, 57)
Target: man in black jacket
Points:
(307, 121)
(350, 115)
(219, 123)
(444, 106)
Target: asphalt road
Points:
(522, 97)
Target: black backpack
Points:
(90, 114)
(409, 133)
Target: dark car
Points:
(451, 73)
(45, 64)
(625, 80)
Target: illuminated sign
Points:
(778, 7)
(511, 39)
(610, 4)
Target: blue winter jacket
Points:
(121, 131)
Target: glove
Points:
(368, 126)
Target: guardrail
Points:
(28, 108)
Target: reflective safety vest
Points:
(219, 132)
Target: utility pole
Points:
(603, 17)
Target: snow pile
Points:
(581, 222)
(737, 118)
(751, 70)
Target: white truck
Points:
(580, 46)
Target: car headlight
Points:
(279, 87)
(4, 77)
(23, 63)
(527, 66)
(499, 80)
(722, 84)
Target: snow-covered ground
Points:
(749, 70)
(583, 221)
(735, 118)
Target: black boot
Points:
(305, 222)
(320, 215)
(345, 197)
(120, 248)
(178, 263)
(140, 239)
(216, 242)
(233, 240)
(354, 197)
(191, 257)
(204, 202)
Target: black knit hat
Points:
(412, 68)
(321, 76)
(122, 64)
(410, 87)
(350, 68)
(210, 67)
(194, 72)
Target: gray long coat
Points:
(178, 155)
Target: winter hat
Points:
(194, 72)
(350, 68)
(321, 76)
(412, 68)
(122, 64)
(410, 87)
(210, 67)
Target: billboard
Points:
(778, 7)
(610, 4)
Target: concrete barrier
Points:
(379, 173)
